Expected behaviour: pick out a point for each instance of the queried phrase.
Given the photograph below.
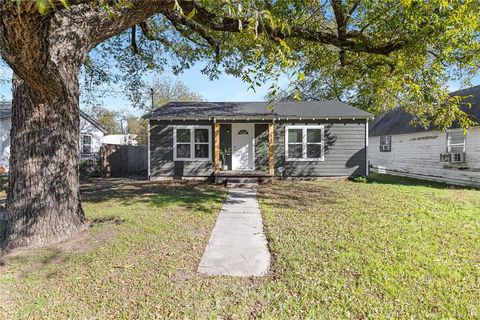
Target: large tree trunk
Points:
(45, 52)
(43, 200)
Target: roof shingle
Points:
(399, 122)
(306, 109)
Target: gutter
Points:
(257, 118)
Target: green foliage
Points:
(83, 165)
(138, 127)
(107, 118)
(224, 152)
(166, 91)
(377, 55)
(360, 179)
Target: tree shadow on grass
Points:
(194, 195)
(300, 196)
(406, 181)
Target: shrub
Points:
(83, 165)
(360, 179)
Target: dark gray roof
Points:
(292, 109)
(398, 122)
(6, 112)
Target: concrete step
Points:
(242, 182)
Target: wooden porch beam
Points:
(271, 148)
(216, 162)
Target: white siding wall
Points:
(85, 128)
(5, 125)
(418, 155)
(97, 135)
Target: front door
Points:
(242, 146)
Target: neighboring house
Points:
(121, 139)
(398, 147)
(5, 126)
(91, 137)
(293, 139)
(91, 134)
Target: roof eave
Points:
(256, 118)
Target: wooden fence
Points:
(123, 160)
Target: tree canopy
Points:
(380, 54)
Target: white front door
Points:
(242, 146)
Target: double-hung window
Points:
(385, 143)
(86, 144)
(192, 143)
(304, 143)
(455, 141)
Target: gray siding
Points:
(261, 139)
(226, 141)
(345, 152)
(161, 152)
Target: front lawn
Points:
(340, 250)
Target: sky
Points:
(226, 88)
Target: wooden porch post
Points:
(271, 148)
(217, 149)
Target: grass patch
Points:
(393, 248)
(390, 248)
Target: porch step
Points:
(235, 182)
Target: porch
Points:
(244, 150)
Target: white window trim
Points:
(192, 142)
(81, 142)
(304, 142)
(449, 145)
(388, 140)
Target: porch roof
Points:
(257, 110)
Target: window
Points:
(191, 143)
(385, 143)
(304, 143)
(455, 142)
(86, 144)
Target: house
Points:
(121, 139)
(290, 139)
(400, 148)
(91, 135)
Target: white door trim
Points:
(250, 127)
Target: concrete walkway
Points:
(237, 245)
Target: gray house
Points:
(229, 139)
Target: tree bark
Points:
(43, 199)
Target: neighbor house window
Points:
(304, 143)
(192, 143)
(385, 143)
(455, 142)
(86, 144)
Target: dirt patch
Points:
(87, 241)
(83, 242)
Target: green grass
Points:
(392, 248)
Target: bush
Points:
(360, 179)
(83, 165)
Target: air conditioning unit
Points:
(452, 157)
(457, 157)
(384, 147)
